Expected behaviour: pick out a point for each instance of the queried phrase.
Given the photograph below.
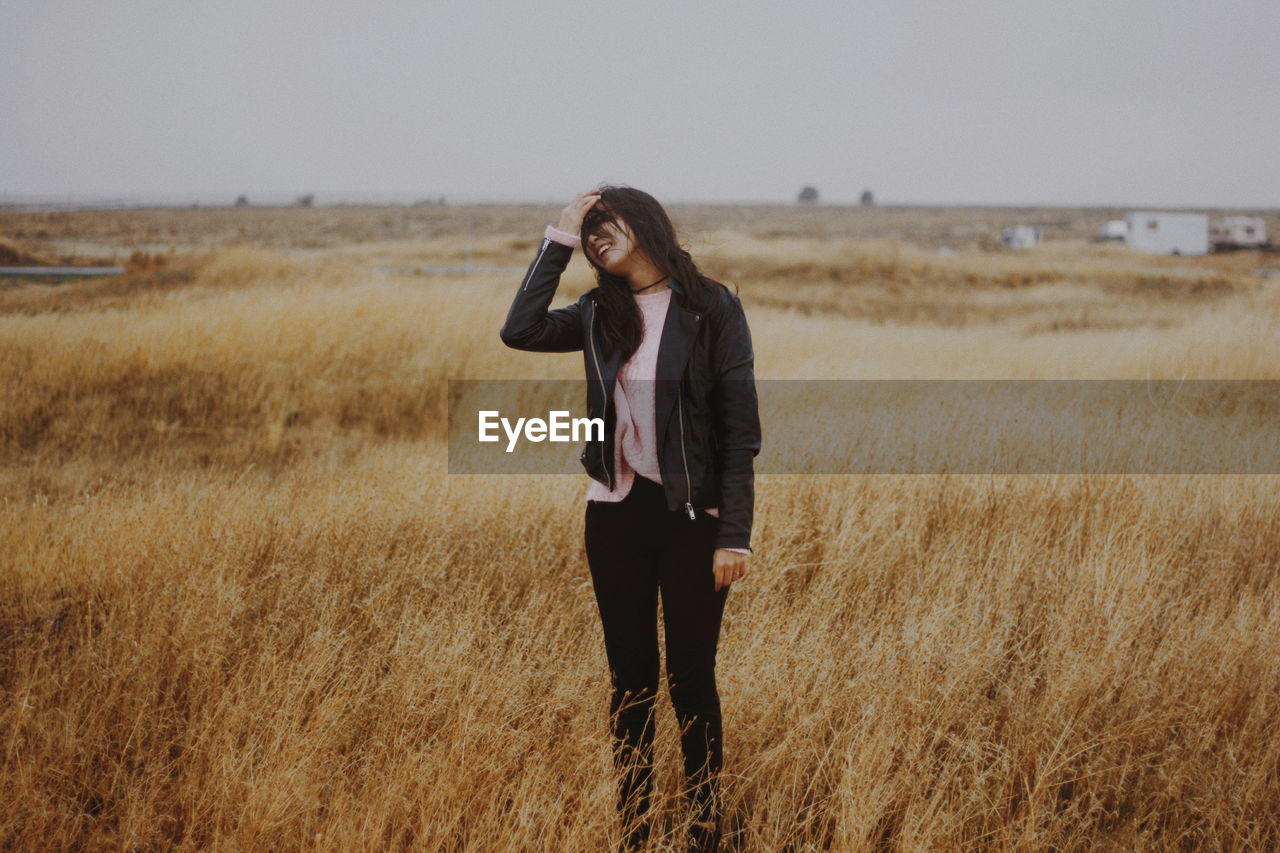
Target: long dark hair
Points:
(620, 325)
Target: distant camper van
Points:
(1114, 229)
(1019, 237)
(1238, 232)
(1167, 233)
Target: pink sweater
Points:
(635, 449)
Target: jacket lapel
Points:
(678, 331)
(609, 363)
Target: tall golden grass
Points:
(246, 607)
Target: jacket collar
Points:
(678, 331)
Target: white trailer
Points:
(1019, 237)
(1114, 229)
(1238, 232)
(1167, 233)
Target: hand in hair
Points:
(571, 216)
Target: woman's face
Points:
(612, 246)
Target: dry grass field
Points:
(245, 607)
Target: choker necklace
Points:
(646, 287)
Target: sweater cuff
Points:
(562, 237)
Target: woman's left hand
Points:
(728, 566)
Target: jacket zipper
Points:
(599, 375)
(688, 483)
(534, 268)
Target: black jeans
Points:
(638, 549)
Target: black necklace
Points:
(647, 286)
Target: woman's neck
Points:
(644, 277)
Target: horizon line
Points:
(175, 201)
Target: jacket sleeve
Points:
(737, 424)
(529, 325)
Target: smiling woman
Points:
(670, 371)
(611, 247)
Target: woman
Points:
(669, 369)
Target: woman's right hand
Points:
(571, 217)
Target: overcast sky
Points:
(1153, 102)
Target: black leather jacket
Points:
(705, 395)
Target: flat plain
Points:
(247, 608)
